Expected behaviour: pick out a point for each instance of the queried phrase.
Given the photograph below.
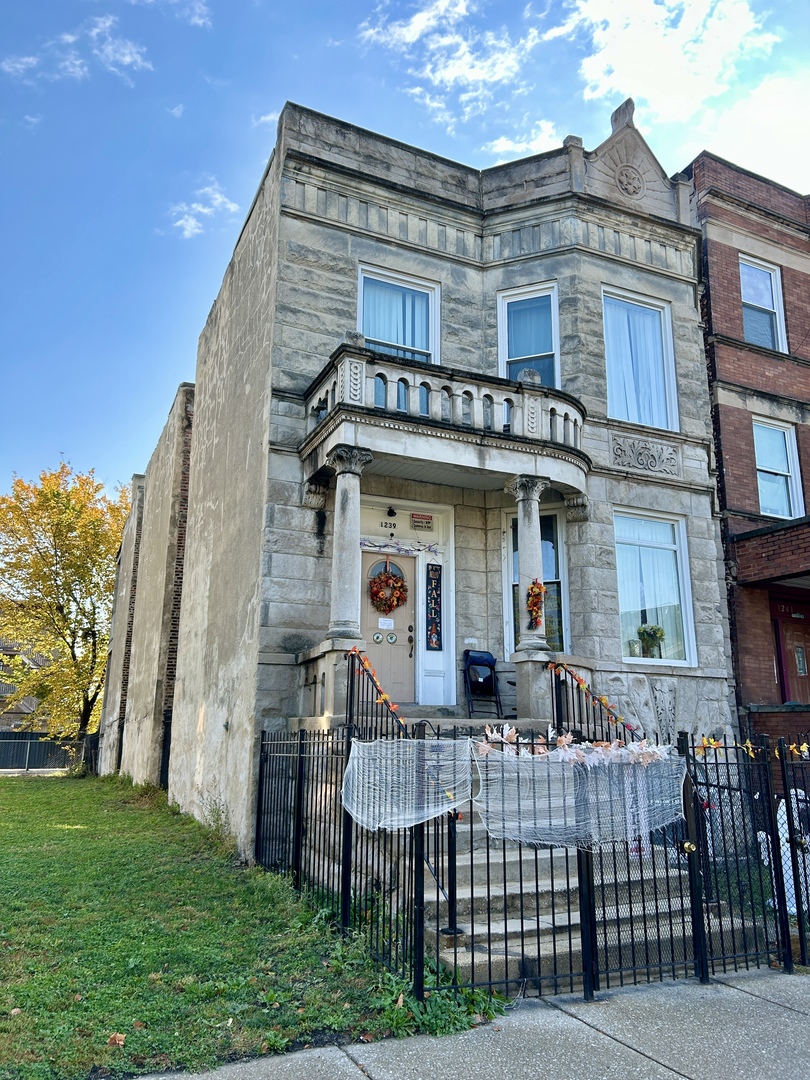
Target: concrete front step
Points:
(623, 921)
(505, 892)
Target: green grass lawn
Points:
(131, 942)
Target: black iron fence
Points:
(28, 750)
(31, 750)
(444, 903)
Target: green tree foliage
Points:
(58, 544)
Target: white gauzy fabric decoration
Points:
(578, 796)
(393, 783)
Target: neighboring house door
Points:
(797, 659)
(391, 636)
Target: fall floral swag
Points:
(534, 603)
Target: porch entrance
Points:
(391, 637)
(792, 627)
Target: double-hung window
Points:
(653, 587)
(399, 315)
(763, 315)
(527, 332)
(640, 361)
(780, 493)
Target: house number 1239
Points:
(388, 524)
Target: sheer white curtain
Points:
(395, 314)
(649, 585)
(635, 363)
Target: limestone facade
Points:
(363, 401)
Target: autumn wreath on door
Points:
(387, 591)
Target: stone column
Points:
(527, 491)
(348, 463)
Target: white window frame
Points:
(527, 292)
(508, 516)
(664, 309)
(779, 310)
(391, 277)
(684, 579)
(794, 475)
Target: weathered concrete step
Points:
(624, 920)
(512, 896)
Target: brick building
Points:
(756, 262)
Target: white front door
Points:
(391, 635)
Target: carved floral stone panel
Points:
(647, 455)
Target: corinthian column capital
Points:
(527, 487)
(348, 459)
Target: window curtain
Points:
(635, 364)
(395, 314)
(649, 588)
(529, 327)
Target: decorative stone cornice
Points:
(348, 459)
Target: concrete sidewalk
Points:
(745, 1026)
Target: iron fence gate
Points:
(445, 904)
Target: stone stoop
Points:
(518, 920)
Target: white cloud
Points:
(465, 63)
(672, 56)
(71, 66)
(196, 12)
(758, 131)
(208, 201)
(177, 111)
(116, 54)
(70, 54)
(435, 15)
(268, 118)
(32, 121)
(541, 136)
(18, 65)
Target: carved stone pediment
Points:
(646, 455)
(624, 169)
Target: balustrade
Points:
(464, 400)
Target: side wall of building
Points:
(116, 682)
(165, 497)
(214, 747)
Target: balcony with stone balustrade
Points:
(437, 424)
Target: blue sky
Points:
(134, 133)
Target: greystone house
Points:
(464, 381)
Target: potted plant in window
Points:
(650, 635)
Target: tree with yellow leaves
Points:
(58, 545)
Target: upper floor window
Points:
(640, 361)
(399, 315)
(763, 315)
(527, 332)
(780, 493)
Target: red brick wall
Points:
(774, 555)
(757, 680)
(736, 434)
(796, 294)
(711, 172)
